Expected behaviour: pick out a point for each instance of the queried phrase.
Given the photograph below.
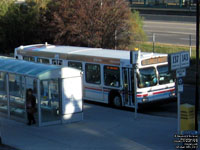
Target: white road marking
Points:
(168, 27)
(163, 32)
(172, 23)
(187, 39)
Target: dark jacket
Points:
(31, 103)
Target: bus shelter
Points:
(58, 91)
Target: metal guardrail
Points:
(188, 4)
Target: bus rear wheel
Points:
(116, 101)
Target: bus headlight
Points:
(145, 99)
(172, 94)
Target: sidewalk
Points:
(103, 128)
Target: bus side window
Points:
(77, 65)
(93, 73)
(57, 62)
(43, 60)
(28, 58)
(111, 76)
(53, 61)
(60, 62)
(32, 59)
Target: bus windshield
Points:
(147, 77)
(164, 75)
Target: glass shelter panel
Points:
(50, 101)
(3, 93)
(17, 95)
(31, 83)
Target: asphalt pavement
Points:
(169, 109)
(103, 128)
(170, 29)
(6, 147)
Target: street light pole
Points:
(197, 66)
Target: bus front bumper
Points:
(155, 98)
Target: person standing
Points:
(30, 106)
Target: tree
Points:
(93, 23)
(19, 23)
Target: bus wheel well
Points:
(112, 95)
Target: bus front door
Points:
(127, 87)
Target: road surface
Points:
(165, 109)
(170, 32)
(170, 109)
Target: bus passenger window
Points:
(43, 60)
(27, 58)
(112, 76)
(93, 73)
(60, 62)
(54, 62)
(77, 65)
(32, 59)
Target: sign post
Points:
(134, 61)
(179, 61)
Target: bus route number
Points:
(179, 60)
(185, 59)
(175, 61)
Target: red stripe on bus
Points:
(142, 95)
(138, 95)
(155, 93)
(170, 90)
(105, 90)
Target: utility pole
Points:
(190, 44)
(197, 66)
(154, 40)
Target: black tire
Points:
(117, 101)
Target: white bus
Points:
(108, 74)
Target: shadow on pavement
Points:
(6, 147)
